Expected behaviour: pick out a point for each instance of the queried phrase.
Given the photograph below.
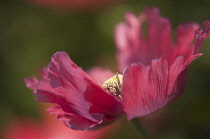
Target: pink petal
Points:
(134, 23)
(102, 102)
(122, 43)
(132, 48)
(31, 82)
(149, 88)
(175, 69)
(100, 74)
(201, 35)
(155, 68)
(185, 36)
(43, 72)
(159, 40)
(69, 87)
(75, 122)
(128, 38)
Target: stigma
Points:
(114, 85)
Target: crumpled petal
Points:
(148, 88)
(128, 40)
(75, 122)
(200, 36)
(74, 92)
(184, 41)
(132, 47)
(159, 41)
(31, 82)
(185, 36)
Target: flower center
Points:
(113, 85)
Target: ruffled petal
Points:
(155, 68)
(69, 87)
(122, 43)
(144, 88)
(129, 40)
(159, 41)
(75, 122)
(178, 81)
(200, 36)
(184, 41)
(31, 82)
(132, 47)
(134, 34)
(43, 72)
(185, 35)
(175, 69)
(149, 88)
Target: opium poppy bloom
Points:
(154, 73)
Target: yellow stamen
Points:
(113, 85)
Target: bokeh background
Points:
(30, 32)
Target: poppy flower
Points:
(154, 74)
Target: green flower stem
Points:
(140, 129)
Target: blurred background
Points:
(32, 30)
